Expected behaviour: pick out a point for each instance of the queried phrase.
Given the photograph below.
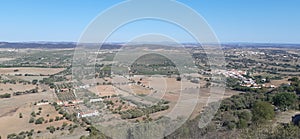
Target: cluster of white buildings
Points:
(238, 74)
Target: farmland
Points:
(40, 85)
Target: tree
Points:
(20, 115)
(294, 79)
(51, 129)
(242, 123)
(64, 125)
(31, 120)
(34, 82)
(262, 112)
(39, 120)
(33, 114)
(284, 100)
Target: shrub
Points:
(39, 120)
(20, 115)
(51, 129)
(31, 120)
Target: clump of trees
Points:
(21, 135)
(26, 92)
(135, 113)
(252, 111)
(285, 100)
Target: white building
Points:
(87, 114)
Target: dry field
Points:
(171, 90)
(165, 83)
(15, 102)
(279, 82)
(10, 88)
(14, 124)
(30, 78)
(30, 70)
(163, 88)
(139, 90)
(203, 98)
(6, 59)
(11, 107)
(104, 90)
(286, 117)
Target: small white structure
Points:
(87, 114)
(96, 100)
(42, 103)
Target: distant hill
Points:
(62, 45)
(54, 45)
(260, 45)
(36, 45)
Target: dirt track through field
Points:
(10, 113)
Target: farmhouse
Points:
(42, 103)
(87, 114)
(96, 100)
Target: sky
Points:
(255, 21)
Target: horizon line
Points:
(121, 42)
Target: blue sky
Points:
(269, 21)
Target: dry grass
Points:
(6, 59)
(30, 70)
(286, 117)
(14, 124)
(10, 88)
(104, 90)
(139, 90)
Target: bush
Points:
(57, 118)
(33, 114)
(51, 129)
(39, 120)
(20, 115)
(6, 95)
(31, 120)
(64, 125)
